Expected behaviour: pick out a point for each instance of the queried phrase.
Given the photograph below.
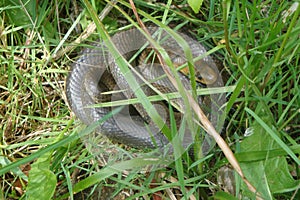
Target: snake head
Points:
(203, 72)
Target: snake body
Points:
(96, 72)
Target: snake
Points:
(95, 72)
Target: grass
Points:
(44, 148)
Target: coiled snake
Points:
(96, 72)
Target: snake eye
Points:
(206, 75)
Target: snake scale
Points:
(96, 72)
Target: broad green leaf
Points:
(270, 175)
(20, 12)
(195, 5)
(42, 181)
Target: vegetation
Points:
(46, 153)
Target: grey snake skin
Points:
(96, 72)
